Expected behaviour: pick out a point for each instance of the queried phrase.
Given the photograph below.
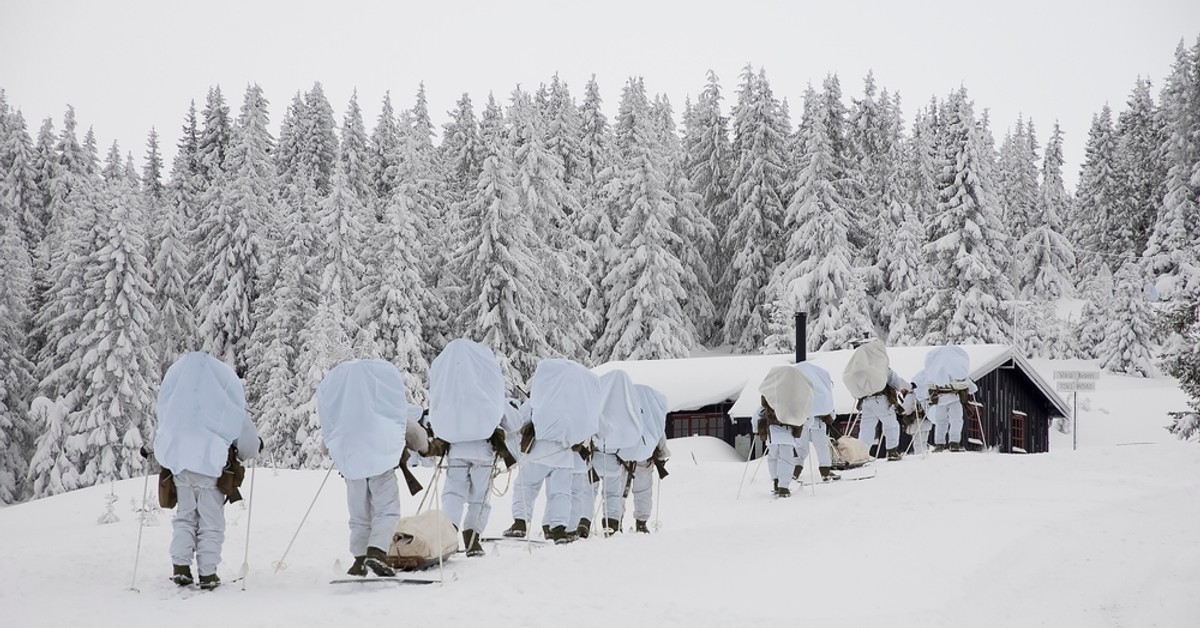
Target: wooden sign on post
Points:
(1074, 382)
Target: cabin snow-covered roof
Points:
(692, 383)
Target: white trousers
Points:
(583, 498)
(816, 433)
(199, 525)
(467, 485)
(947, 416)
(612, 482)
(643, 490)
(558, 492)
(891, 428)
(374, 505)
(781, 462)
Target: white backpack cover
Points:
(866, 373)
(564, 399)
(822, 384)
(946, 365)
(620, 412)
(364, 414)
(466, 392)
(201, 410)
(654, 424)
(422, 538)
(790, 394)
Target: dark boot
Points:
(376, 561)
(471, 543)
(209, 582)
(894, 454)
(956, 447)
(584, 529)
(611, 526)
(516, 530)
(828, 474)
(545, 531)
(182, 575)
(797, 471)
(783, 492)
(640, 526)
(358, 568)
(939, 447)
(558, 534)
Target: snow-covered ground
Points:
(1102, 536)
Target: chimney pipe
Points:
(801, 336)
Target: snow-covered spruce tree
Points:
(171, 267)
(646, 318)
(16, 371)
(19, 163)
(1126, 347)
(896, 262)
(922, 164)
(753, 238)
(564, 135)
(867, 142)
(355, 155)
(385, 153)
(1181, 360)
(290, 146)
(553, 209)
(290, 283)
(461, 156)
(1017, 179)
(418, 169)
(696, 235)
(318, 142)
(504, 297)
(215, 138)
(909, 280)
(69, 245)
(966, 239)
(816, 274)
(230, 235)
(596, 225)
(1172, 253)
(708, 160)
(119, 365)
(1047, 257)
(327, 342)
(1100, 196)
(1097, 293)
(1139, 145)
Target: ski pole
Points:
(749, 453)
(249, 513)
(141, 525)
(279, 564)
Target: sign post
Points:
(1075, 382)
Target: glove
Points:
(437, 448)
(146, 453)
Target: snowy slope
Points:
(1102, 536)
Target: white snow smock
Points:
(201, 411)
(790, 394)
(866, 373)
(654, 424)
(822, 384)
(620, 412)
(466, 392)
(363, 411)
(946, 365)
(564, 400)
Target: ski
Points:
(392, 579)
(513, 539)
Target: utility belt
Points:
(888, 392)
(935, 393)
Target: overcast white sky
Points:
(127, 65)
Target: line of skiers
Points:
(797, 410)
(578, 434)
